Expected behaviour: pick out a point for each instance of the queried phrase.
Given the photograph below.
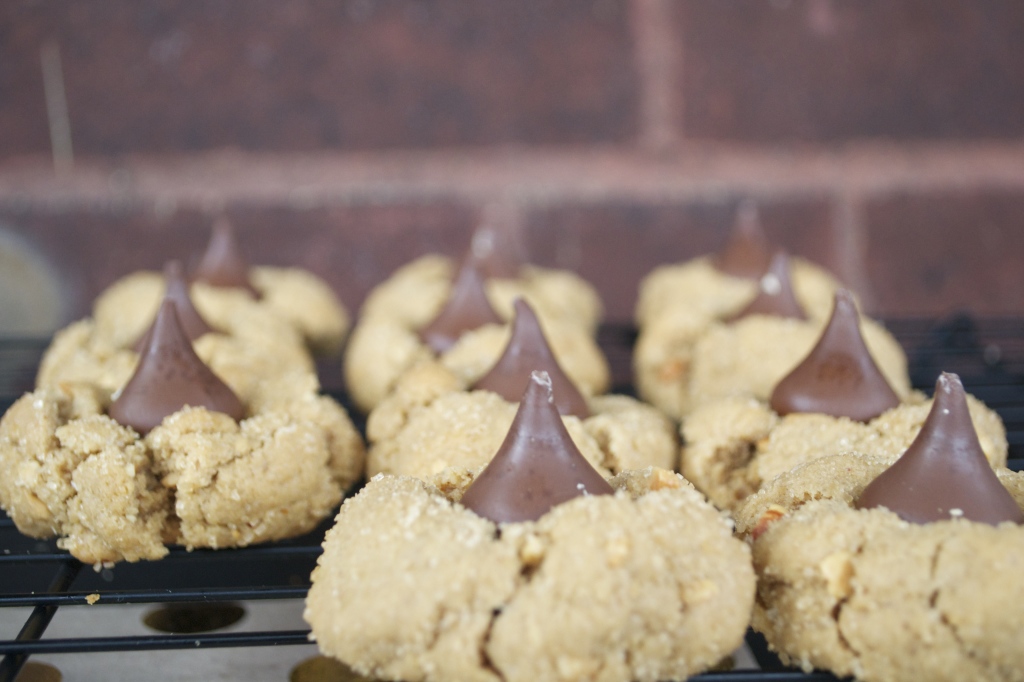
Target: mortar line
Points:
(531, 178)
(57, 115)
(658, 53)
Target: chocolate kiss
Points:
(747, 253)
(170, 376)
(537, 466)
(222, 264)
(944, 473)
(774, 293)
(839, 377)
(527, 351)
(467, 308)
(498, 245)
(192, 322)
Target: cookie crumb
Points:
(770, 516)
(617, 550)
(92, 599)
(662, 478)
(572, 668)
(532, 551)
(700, 591)
(838, 569)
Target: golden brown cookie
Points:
(734, 446)
(415, 293)
(698, 287)
(431, 422)
(679, 305)
(682, 363)
(412, 586)
(247, 347)
(290, 297)
(751, 356)
(861, 592)
(383, 347)
(199, 479)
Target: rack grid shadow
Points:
(37, 577)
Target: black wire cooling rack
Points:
(988, 354)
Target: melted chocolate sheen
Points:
(498, 247)
(170, 376)
(747, 253)
(944, 473)
(775, 294)
(537, 467)
(467, 308)
(222, 264)
(528, 351)
(839, 377)
(192, 322)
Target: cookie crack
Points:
(837, 613)
(943, 618)
(732, 461)
(609, 459)
(72, 470)
(485, 660)
(527, 571)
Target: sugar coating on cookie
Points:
(863, 593)
(734, 446)
(200, 478)
(385, 343)
(412, 586)
(432, 422)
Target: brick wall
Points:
(883, 139)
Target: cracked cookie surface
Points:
(863, 593)
(199, 479)
(736, 445)
(431, 421)
(646, 584)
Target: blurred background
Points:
(883, 139)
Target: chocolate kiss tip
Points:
(467, 308)
(747, 253)
(526, 352)
(222, 264)
(537, 466)
(838, 377)
(170, 376)
(176, 289)
(944, 473)
(775, 295)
